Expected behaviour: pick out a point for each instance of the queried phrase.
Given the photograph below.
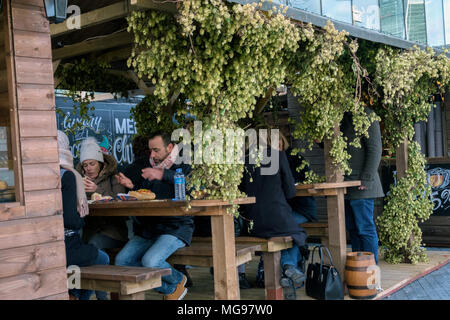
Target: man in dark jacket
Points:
(359, 201)
(156, 238)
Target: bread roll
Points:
(142, 194)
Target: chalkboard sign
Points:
(438, 176)
(109, 123)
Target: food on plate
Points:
(3, 185)
(97, 196)
(142, 194)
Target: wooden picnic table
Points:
(334, 191)
(226, 286)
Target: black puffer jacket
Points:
(181, 227)
(77, 252)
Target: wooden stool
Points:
(130, 282)
(272, 267)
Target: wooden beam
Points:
(133, 77)
(116, 55)
(55, 66)
(88, 46)
(263, 101)
(94, 17)
(167, 6)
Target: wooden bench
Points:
(317, 230)
(129, 282)
(272, 269)
(199, 253)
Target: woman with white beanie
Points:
(98, 170)
(75, 208)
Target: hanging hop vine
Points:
(221, 57)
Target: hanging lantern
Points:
(56, 10)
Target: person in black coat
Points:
(304, 208)
(272, 216)
(75, 208)
(156, 238)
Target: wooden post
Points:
(272, 276)
(224, 257)
(336, 211)
(401, 159)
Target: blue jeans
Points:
(360, 225)
(102, 241)
(292, 255)
(83, 294)
(153, 253)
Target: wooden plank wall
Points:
(32, 252)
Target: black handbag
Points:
(323, 281)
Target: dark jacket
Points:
(181, 227)
(271, 214)
(364, 161)
(304, 205)
(77, 252)
(113, 227)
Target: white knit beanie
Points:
(90, 150)
(63, 141)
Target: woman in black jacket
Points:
(75, 208)
(271, 214)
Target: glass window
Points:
(7, 189)
(391, 17)
(435, 22)
(447, 20)
(340, 10)
(366, 13)
(307, 5)
(415, 21)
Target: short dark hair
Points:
(167, 139)
(140, 146)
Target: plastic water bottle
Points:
(180, 185)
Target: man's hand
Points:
(123, 180)
(89, 185)
(152, 174)
(362, 188)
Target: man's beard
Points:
(157, 161)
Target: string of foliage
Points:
(408, 81)
(82, 78)
(221, 57)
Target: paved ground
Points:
(433, 286)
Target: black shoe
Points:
(260, 279)
(260, 274)
(183, 270)
(293, 273)
(288, 288)
(243, 282)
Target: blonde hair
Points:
(285, 141)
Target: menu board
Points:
(109, 123)
(438, 176)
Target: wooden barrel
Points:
(360, 275)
